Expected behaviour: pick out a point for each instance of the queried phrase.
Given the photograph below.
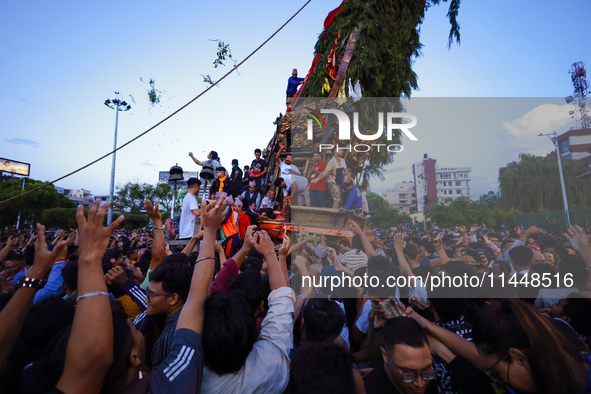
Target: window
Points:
(413, 195)
(403, 201)
(458, 183)
(564, 146)
(402, 195)
(458, 192)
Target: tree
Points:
(490, 199)
(533, 184)
(507, 218)
(132, 196)
(388, 42)
(30, 206)
(382, 215)
(450, 213)
(382, 60)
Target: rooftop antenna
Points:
(579, 97)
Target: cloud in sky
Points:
(544, 118)
(23, 141)
(148, 164)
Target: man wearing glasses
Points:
(407, 366)
(167, 293)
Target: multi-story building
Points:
(402, 197)
(453, 182)
(434, 184)
(575, 144)
(425, 183)
(79, 196)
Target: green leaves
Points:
(533, 184)
(382, 215)
(450, 213)
(153, 93)
(223, 54)
(32, 205)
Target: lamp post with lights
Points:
(117, 105)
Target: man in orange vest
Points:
(229, 230)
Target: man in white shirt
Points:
(270, 202)
(190, 211)
(285, 166)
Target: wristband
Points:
(158, 228)
(204, 258)
(273, 253)
(96, 293)
(32, 283)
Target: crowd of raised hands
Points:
(272, 319)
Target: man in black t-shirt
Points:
(236, 178)
(258, 168)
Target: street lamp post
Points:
(554, 138)
(117, 105)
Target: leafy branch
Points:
(153, 93)
(224, 53)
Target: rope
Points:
(163, 120)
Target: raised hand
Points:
(152, 211)
(263, 243)
(578, 239)
(116, 276)
(93, 237)
(353, 226)
(399, 243)
(44, 259)
(284, 250)
(213, 214)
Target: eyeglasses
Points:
(494, 375)
(155, 295)
(409, 377)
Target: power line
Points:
(163, 120)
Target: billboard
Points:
(14, 167)
(163, 176)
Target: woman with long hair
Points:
(521, 349)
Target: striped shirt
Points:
(354, 259)
(182, 370)
(164, 342)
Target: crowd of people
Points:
(106, 310)
(330, 184)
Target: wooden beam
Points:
(334, 90)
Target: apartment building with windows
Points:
(402, 197)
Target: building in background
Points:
(453, 182)
(575, 144)
(425, 182)
(434, 184)
(402, 197)
(79, 196)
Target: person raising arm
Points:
(14, 313)
(89, 352)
